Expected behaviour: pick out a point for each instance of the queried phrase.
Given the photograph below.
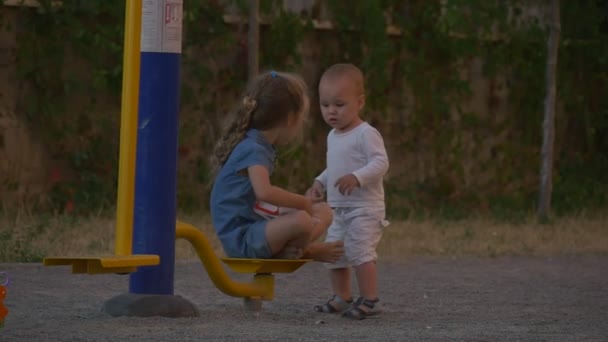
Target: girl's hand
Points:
(346, 184)
(315, 193)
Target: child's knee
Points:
(323, 212)
(360, 254)
(303, 222)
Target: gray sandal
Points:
(335, 305)
(363, 308)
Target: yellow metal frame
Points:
(263, 281)
(218, 276)
(123, 261)
(128, 129)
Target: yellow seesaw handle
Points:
(214, 268)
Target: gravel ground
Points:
(425, 299)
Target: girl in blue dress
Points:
(271, 113)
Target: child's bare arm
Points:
(265, 191)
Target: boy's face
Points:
(340, 102)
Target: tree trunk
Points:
(546, 171)
(253, 39)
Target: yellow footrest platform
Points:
(243, 265)
(104, 263)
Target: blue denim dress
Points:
(241, 231)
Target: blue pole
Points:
(156, 165)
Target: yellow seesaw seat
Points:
(104, 263)
(260, 288)
(264, 265)
(110, 263)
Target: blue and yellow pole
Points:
(156, 172)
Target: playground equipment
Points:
(146, 225)
(262, 287)
(123, 261)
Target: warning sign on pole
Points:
(161, 26)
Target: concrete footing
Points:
(147, 305)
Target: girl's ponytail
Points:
(235, 131)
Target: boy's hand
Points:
(346, 184)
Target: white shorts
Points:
(361, 230)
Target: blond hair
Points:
(268, 101)
(348, 70)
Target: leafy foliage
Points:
(419, 91)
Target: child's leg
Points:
(367, 280)
(362, 239)
(322, 217)
(340, 284)
(293, 229)
(323, 251)
(339, 271)
(368, 303)
(291, 235)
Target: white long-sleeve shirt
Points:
(361, 152)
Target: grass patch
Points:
(486, 237)
(31, 238)
(25, 238)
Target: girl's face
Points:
(340, 103)
(291, 128)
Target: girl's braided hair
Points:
(268, 101)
